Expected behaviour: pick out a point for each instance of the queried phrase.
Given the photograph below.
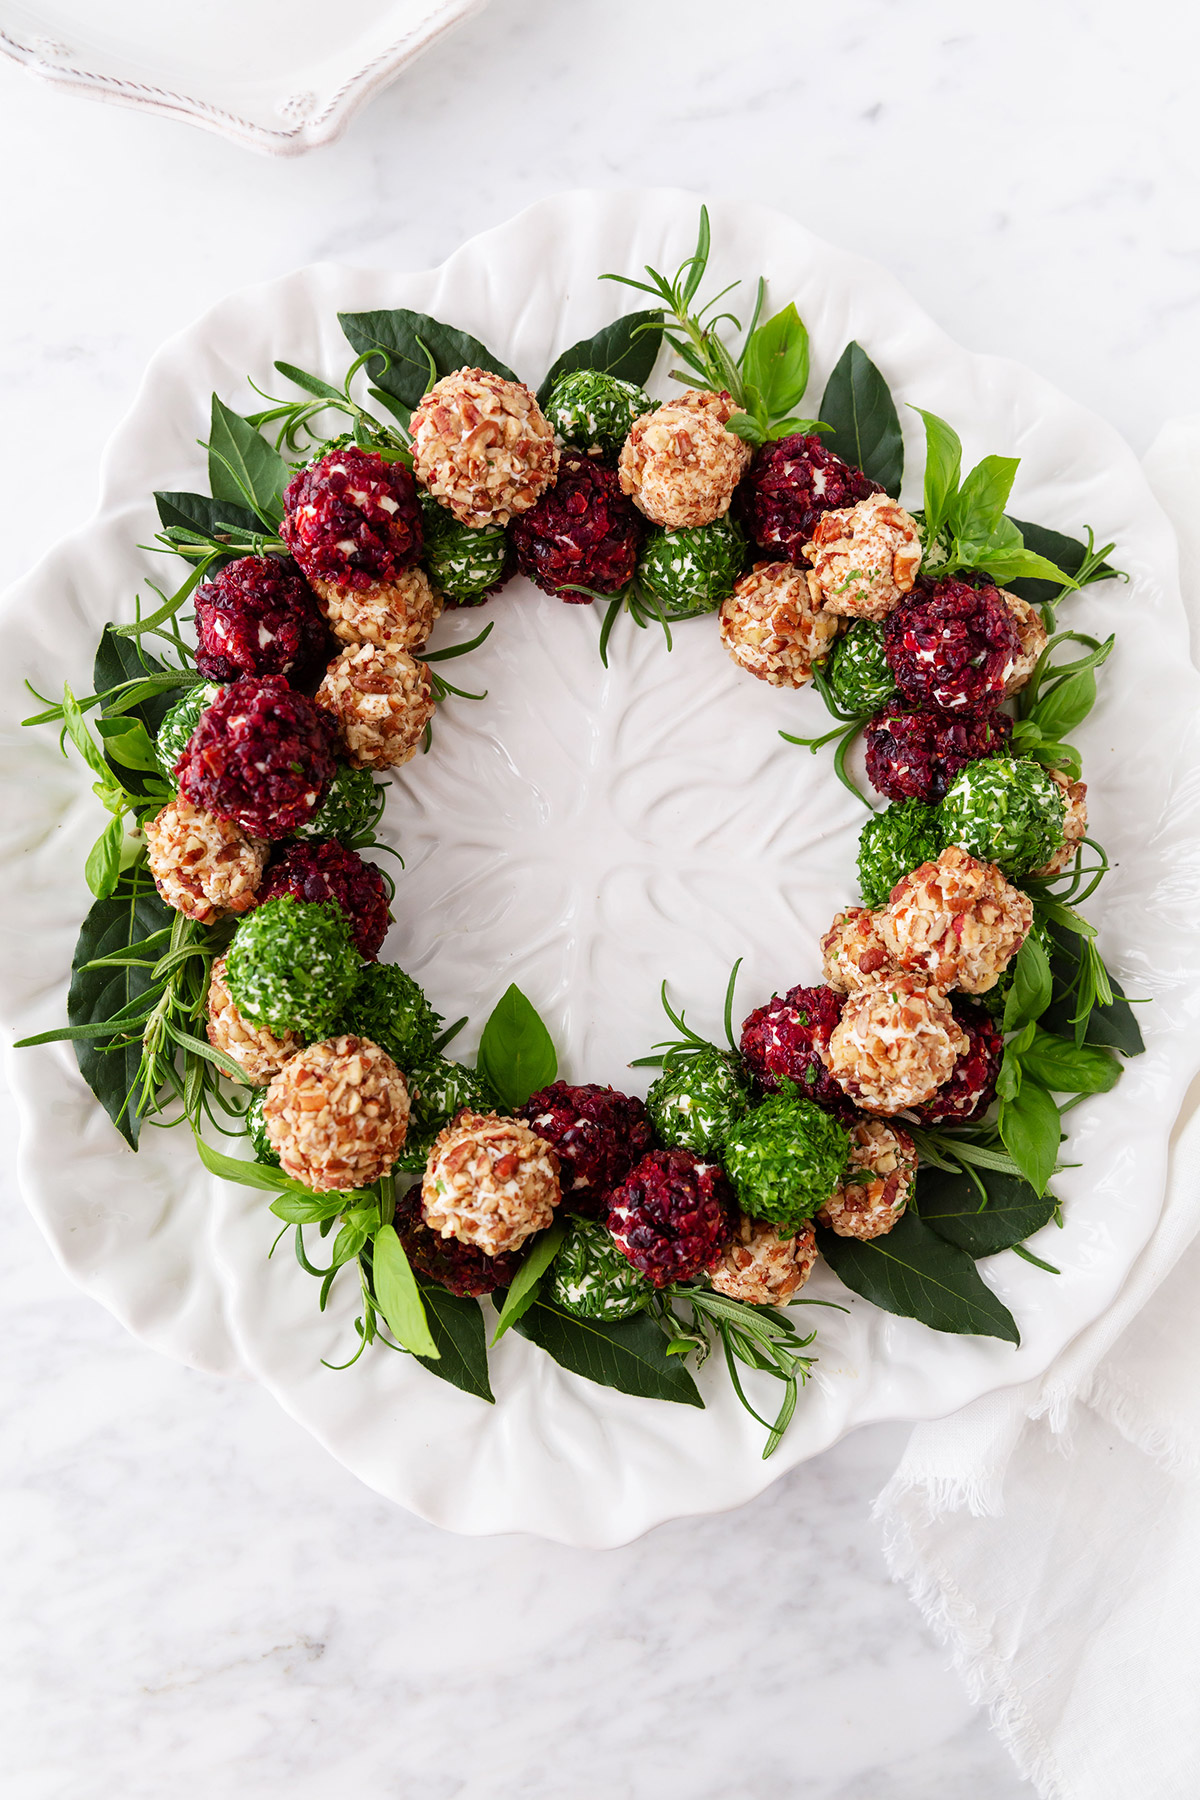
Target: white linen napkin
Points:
(1051, 1533)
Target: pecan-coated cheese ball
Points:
(202, 865)
(258, 1053)
(874, 1190)
(490, 1182)
(956, 922)
(336, 1114)
(865, 559)
(381, 700)
(894, 1044)
(772, 628)
(1074, 825)
(483, 447)
(1031, 634)
(762, 1265)
(679, 465)
(397, 614)
(853, 953)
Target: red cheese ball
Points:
(262, 755)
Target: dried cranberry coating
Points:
(597, 1134)
(262, 755)
(952, 646)
(461, 1269)
(784, 1039)
(583, 531)
(672, 1216)
(790, 484)
(916, 755)
(972, 1084)
(321, 869)
(352, 519)
(258, 616)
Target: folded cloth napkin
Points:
(1051, 1533)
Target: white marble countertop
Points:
(197, 1601)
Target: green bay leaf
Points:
(405, 337)
(917, 1274)
(858, 404)
(627, 1354)
(628, 348)
(950, 1205)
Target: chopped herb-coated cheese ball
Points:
(292, 966)
(785, 1159)
(389, 1007)
(467, 564)
(1005, 810)
(595, 411)
(350, 810)
(178, 725)
(693, 570)
(696, 1102)
(858, 671)
(894, 843)
(256, 1129)
(593, 1279)
(1075, 823)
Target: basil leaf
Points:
(456, 1326)
(411, 340)
(126, 741)
(1032, 985)
(523, 1292)
(304, 1209)
(1068, 1068)
(1007, 565)
(978, 510)
(627, 1354)
(129, 916)
(243, 468)
(628, 348)
(348, 1242)
(950, 1205)
(943, 462)
(1066, 705)
(776, 361)
(1031, 1131)
(102, 869)
(1064, 552)
(916, 1274)
(516, 1052)
(211, 518)
(398, 1296)
(866, 429)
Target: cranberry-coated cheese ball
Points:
(397, 614)
(327, 872)
(1032, 636)
(257, 617)
(203, 865)
(792, 481)
(956, 922)
(460, 1268)
(874, 1191)
(952, 646)
(381, 700)
(1074, 826)
(490, 1182)
(679, 465)
(853, 953)
(483, 447)
(262, 756)
(351, 520)
(258, 1052)
(916, 755)
(772, 627)
(865, 559)
(895, 1044)
(972, 1084)
(336, 1114)
(583, 533)
(671, 1216)
(597, 1135)
(786, 1040)
(762, 1265)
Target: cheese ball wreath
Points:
(577, 1207)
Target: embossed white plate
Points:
(276, 75)
(587, 833)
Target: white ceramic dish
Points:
(586, 834)
(279, 75)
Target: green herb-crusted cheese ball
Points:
(894, 843)
(388, 1007)
(1005, 810)
(256, 1130)
(439, 1089)
(595, 412)
(350, 810)
(695, 569)
(857, 669)
(695, 1104)
(464, 562)
(292, 966)
(592, 1279)
(178, 725)
(785, 1159)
